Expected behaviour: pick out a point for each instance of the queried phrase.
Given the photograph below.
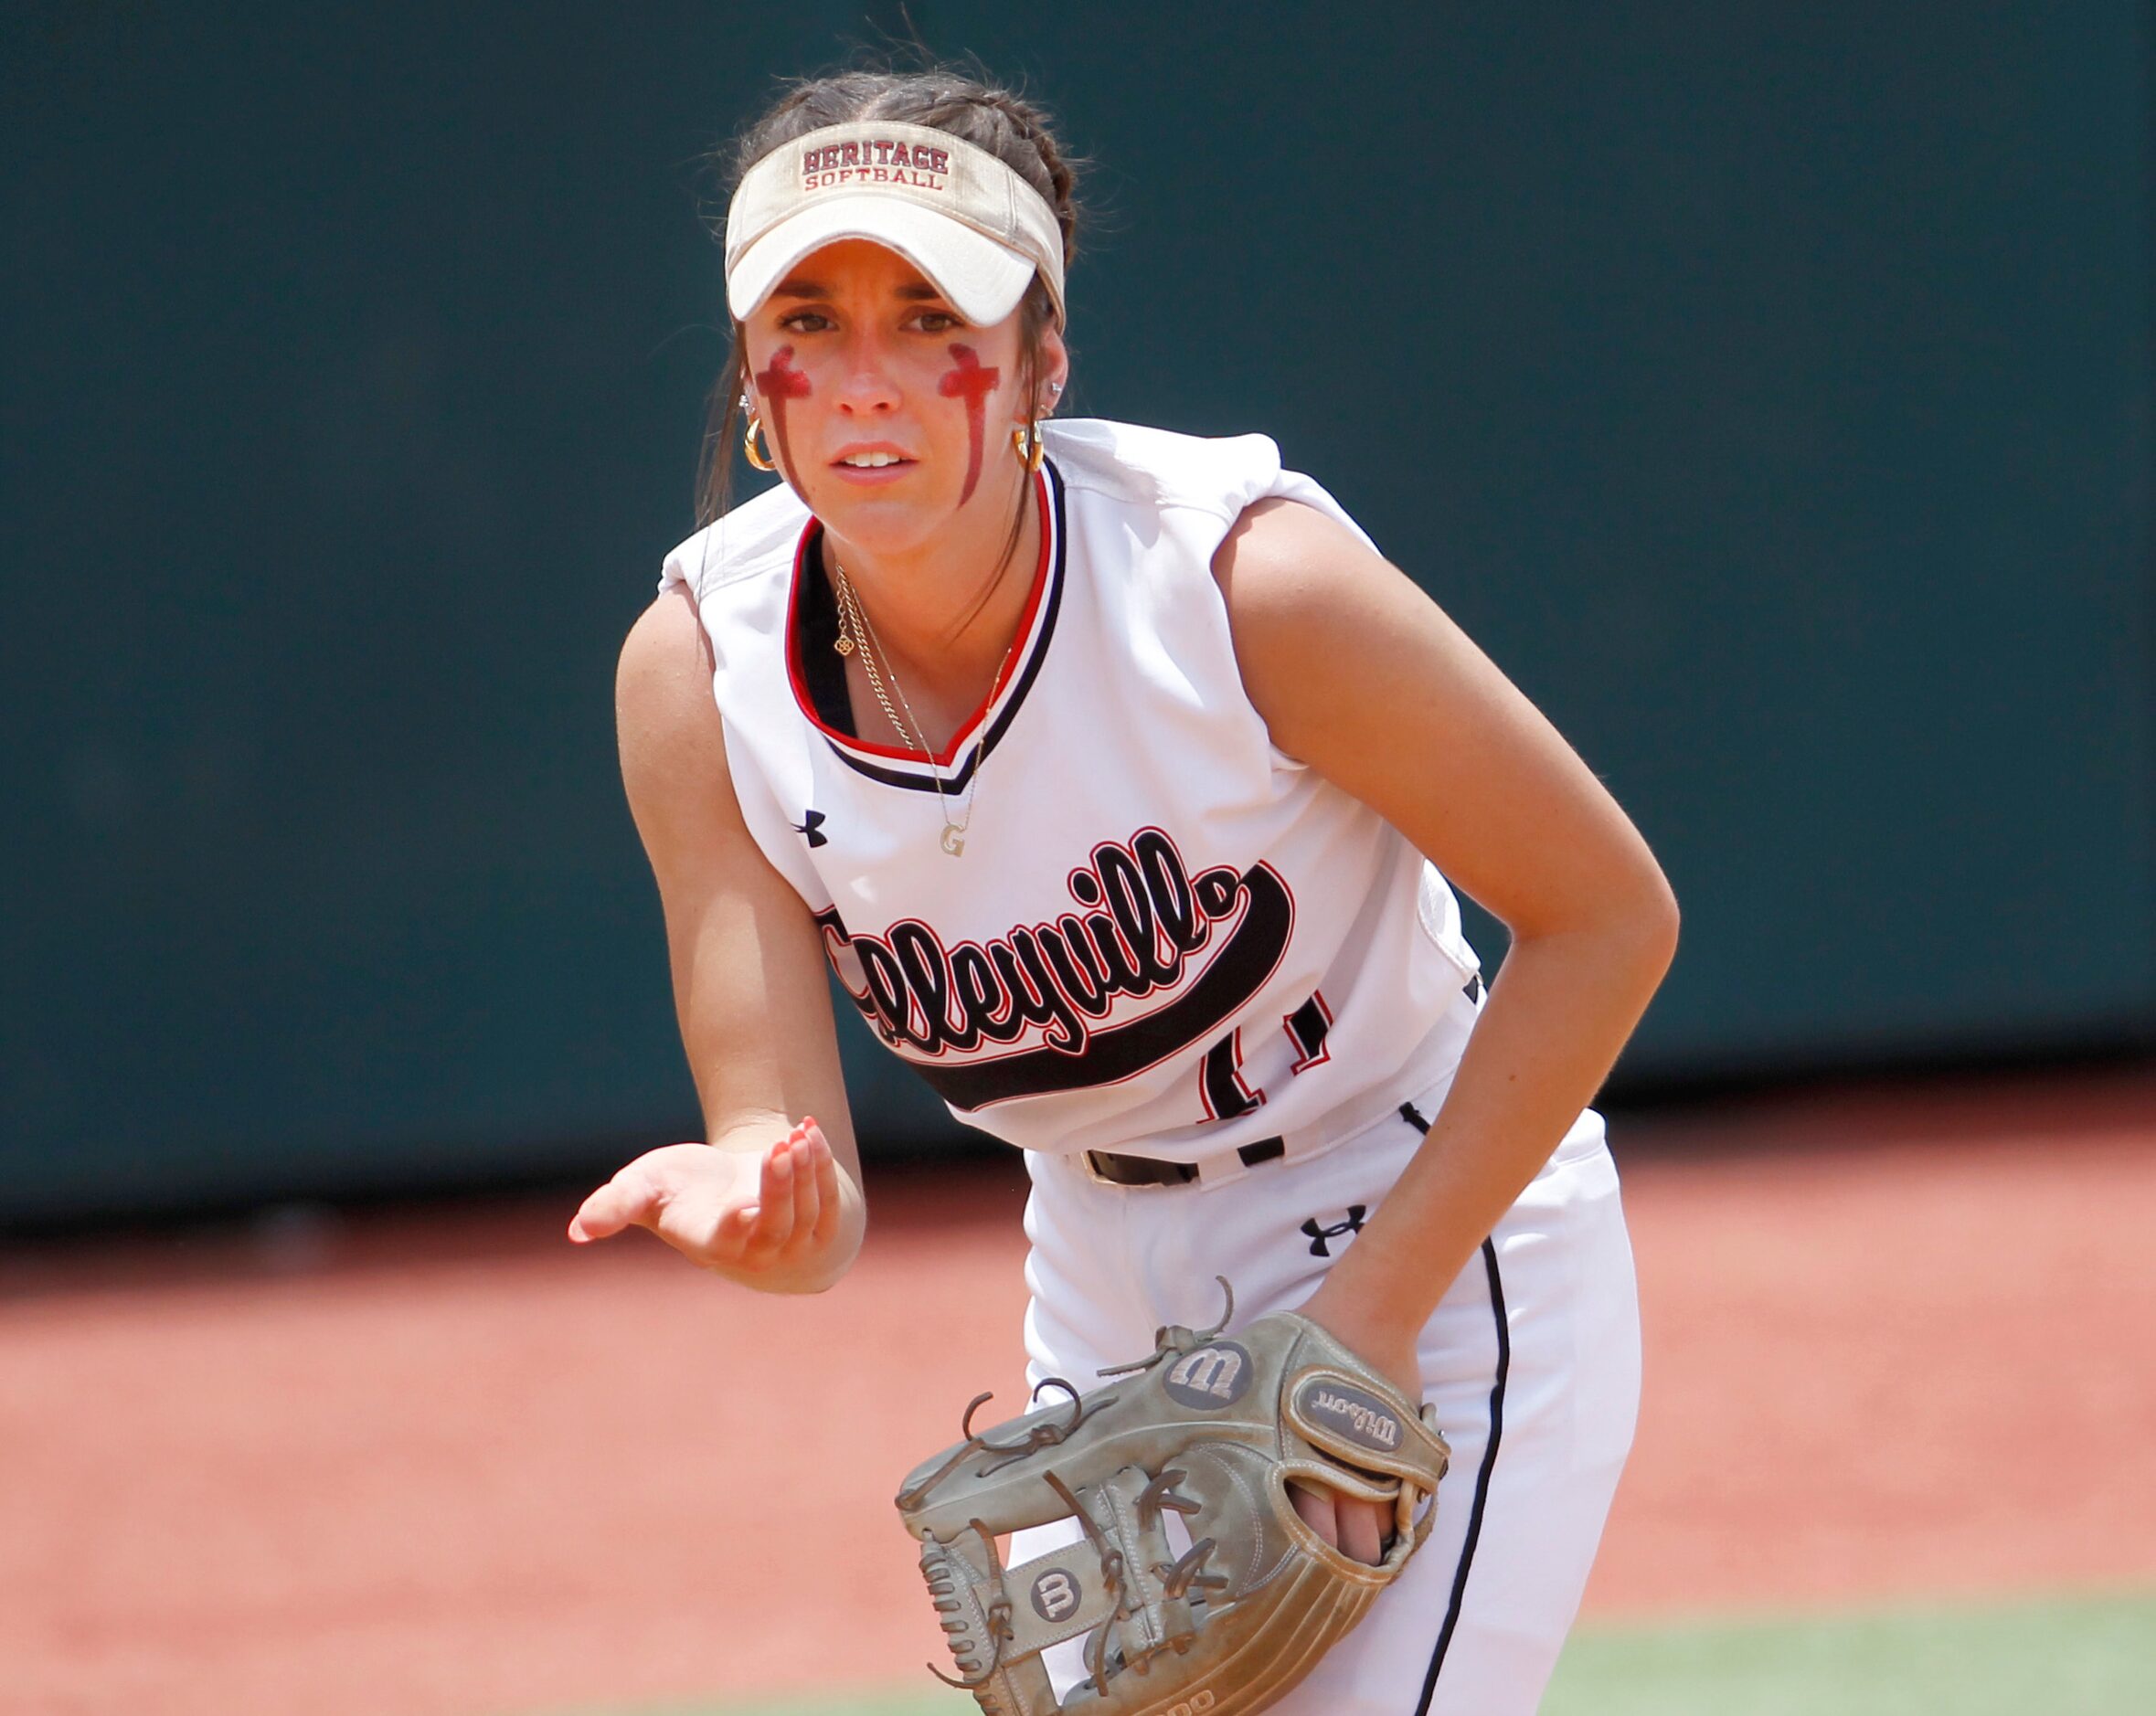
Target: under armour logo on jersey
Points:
(1319, 1235)
(811, 825)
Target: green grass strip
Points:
(2093, 1656)
(2061, 1657)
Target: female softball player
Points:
(1116, 775)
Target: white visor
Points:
(970, 224)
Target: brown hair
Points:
(999, 121)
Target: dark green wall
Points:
(1769, 388)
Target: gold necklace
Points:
(856, 633)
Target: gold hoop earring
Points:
(754, 453)
(1029, 445)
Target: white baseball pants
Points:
(1531, 1359)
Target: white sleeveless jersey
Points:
(1164, 935)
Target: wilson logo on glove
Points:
(1217, 1375)
(1358, 1416)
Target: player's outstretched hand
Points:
(776, 1219)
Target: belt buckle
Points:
(1188, 1173)
(1099, 1179)
(1093, 1173)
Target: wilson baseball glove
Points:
(1210, 1429)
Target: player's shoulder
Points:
(1259, 512)
(730, 576)
(759, 539)
(1138, 465)
(662, 702)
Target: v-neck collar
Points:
(812, 626)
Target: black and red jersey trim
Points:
(984, 729)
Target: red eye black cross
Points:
(778, 383)
(968, 381)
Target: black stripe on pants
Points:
(1474, 1517)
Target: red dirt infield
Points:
(1897, 1344)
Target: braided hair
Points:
(997, 120)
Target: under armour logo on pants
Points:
(1319, 1235)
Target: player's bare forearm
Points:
(774, 1199)
(1561, 1010)
(1362, 676)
